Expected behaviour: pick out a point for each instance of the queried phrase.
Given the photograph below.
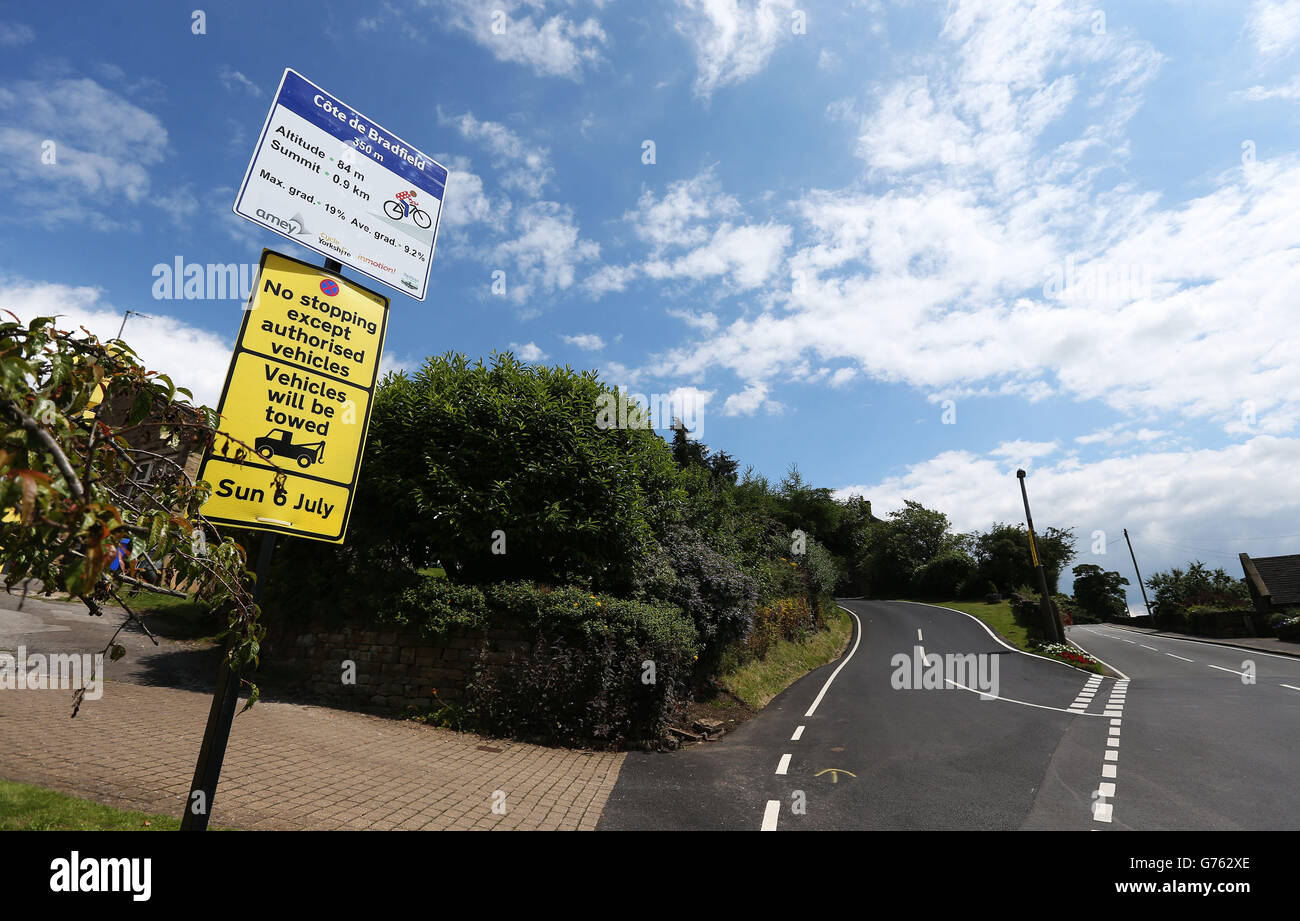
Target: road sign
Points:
(298, 393)
(329, 178)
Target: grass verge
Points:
(756, 682)
(27, 808)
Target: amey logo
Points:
(103, 874)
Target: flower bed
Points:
(1071, 655)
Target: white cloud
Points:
(587, 341)
(1274, 26)
(103, 146)
(526, 32)
(938, 280)
(733, 39)
(1021, 452)
(694, 234)
(13, 34)
(750, 400)
(529, 351)
(546, 251)
(1289, 90)
(233, 80)
(466, 203)
(526, 165)
(194, 358)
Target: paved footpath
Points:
(296, 767)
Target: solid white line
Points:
(1291, 686)
(826, 686)
(1230, 671)
(797, 733)
(919, 638)
(1172, 656)
(770, 813)
(1012, 700)
(784, 764)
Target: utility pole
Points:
(1141, 584)
(1054, 630)
(128, 315)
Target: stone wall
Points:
(394, 668)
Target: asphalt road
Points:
(843, 748)
(1211, 733)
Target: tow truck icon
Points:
(279, 441)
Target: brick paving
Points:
(296, 767)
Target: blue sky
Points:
(856, 213)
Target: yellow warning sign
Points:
(298, 393)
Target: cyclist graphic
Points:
(406, 206)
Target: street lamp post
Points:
(1054, 630)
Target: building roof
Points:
(1281, 577)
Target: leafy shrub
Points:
(709, 586)
(790, 619)
(1288, 629)
(1027, 612)
(587, 689)
(940, 576)
(437, 605)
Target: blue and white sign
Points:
(329, 178)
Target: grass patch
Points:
(756, 682)
(176, 618)
(27, 808)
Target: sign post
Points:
(303, 373)
(305, 365)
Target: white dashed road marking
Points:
(784, 764)
(1103, 810)
(770, 813)
(797, 734)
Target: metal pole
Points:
(1141, 584)
(1054, 630)
(207, 771)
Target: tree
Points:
(1173, 592)
(1004, 558)
(1100, 593)
(73, 481)
(899, 545)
